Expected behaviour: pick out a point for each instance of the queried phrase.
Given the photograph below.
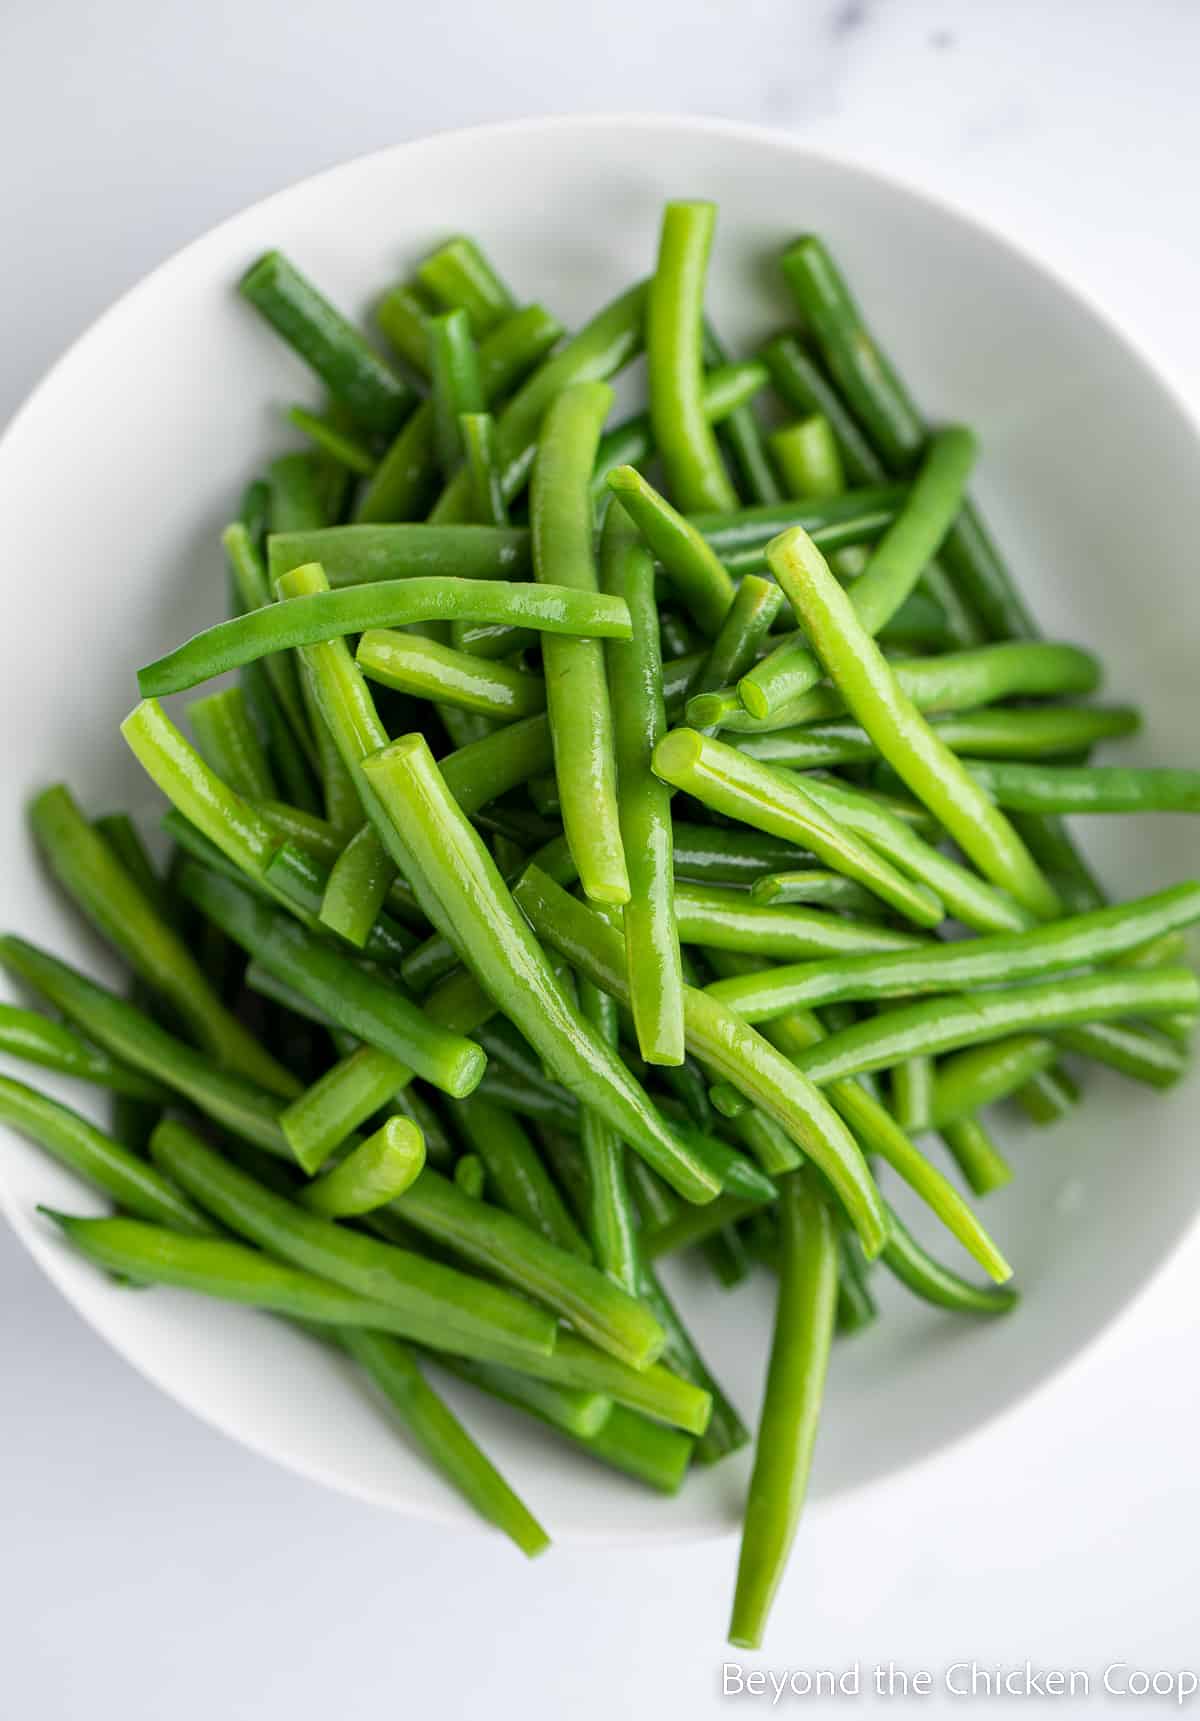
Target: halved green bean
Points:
(505, 1246)
(430, 670)
(967, 897)
(600, 349)
(458, 885)
(373, 1173)
(988, 734)
(458, 275)
(976, 1155)
(325, 615)
(740, 788)
(945, 1024)
(787, 1430)
(722, 1041)
(464, 1312)
(1086, 788)
(348, 1093)
(457, 386)
(928, 1279)
(90, 871)
(581, 721)
(955, 681)
(814, 888)
(351, 369)
(719, 918)
(40, 1040)
(674, 351)
(889, 577)
(228, 740)
(697, 575)
(359, 881)
(716, 854)
(927, 766)
(354, 997)
(635, 686)
(515, 1172)
(1079, 940)
(96, 1157)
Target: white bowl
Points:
(118, 474)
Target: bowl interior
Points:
(118, 475)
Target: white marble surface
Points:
(147, 1567)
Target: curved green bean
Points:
(697, 575)
(372, 1174)
(430, 670)
(719, 918)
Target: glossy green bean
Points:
(1086, 788)
(927, 766)
(987, 734)
(928, 1279)
(814, 888)
(402, 315)
(458, 275)
(725, 1432)
(1078, 941)
(967, 1081)
(893, 570)
(806, 389)
(430, 670)
(716, 917)
(505, 1246)
(725, 392)
(1135, 1050)
(747, 623)
(740, 539)
(806, 453)
(90, 871)
(249, 576)
(372, 1174)
(457, 386)
(518, 1179)
(635, 686)
(611, 1221)
(720, 1040)
(477, 433)
(350, 994)
(803, 1334)
(740, 788)
(359, 881)
(368, 554)
(345, 1095)
(229, 742)
(348, 366)
(40, 1040)
(96, 1157)
(581, 720)
(458, 885)
(698, 577)
(335, 442)
(742, 436)
(1049, 1096)
(717, 854)
(975, 1153)
(675, 364)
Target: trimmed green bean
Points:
(430, 670)
(568, 1409)
(402, 315)
(990, 734)
(477, 433)
(611, 1224)
(458, 275)
(332, 440)
(674, 351)
(229, 742)
(1086, 788)
(1048, 1096)
(1133, 1049)
(928, 1279)
(515, 1172)
(715, 854)
(372, 1174)
(347, 1094)
(975, 1153)
(812, 887)
(727, 388)
(719, 918)
(748, 620)
(697, 575)
(457, 385)
(359, 881)
(967, 1081)
(581, 720)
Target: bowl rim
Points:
(431, 1508)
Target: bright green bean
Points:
(40, 1040)
(373, 1173)
(430, 670)
(515, 1172)
(975, 1153)
(697, 575)
(716, 917)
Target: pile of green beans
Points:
(618, 840)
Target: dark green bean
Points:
(926, 1278)
(515, 1173)
(228, 740)
(724, 919)
(477, 433)
(697, 575)
(998, 734)
(742, 435)
(430, 670)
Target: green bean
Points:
(433, 1425)
(728, 782)
(926, 1278)
(351, 995)
(463, 1312)
(816, 888)
(1136, 1051)
(89, 870)
(806, 389)
(40, 1040)
(406, 482)
(722, 1041)
(505, 1246)
(674, 351)
(611, 1224)
(568, 1409)
(249, 577)
(332, 440)
(975, 1153)
(477, 433)
(726, 390)
(641, 1448)
(372, 1174)
(1048, 1096)
(747, 622)
(1086, 788)
(325, 615)
(490, 767)
(912, 1094)
(1079, 940)
(742, 435)
(125, 840)
(358, 885)
(303, 884)
(367, 554)
(719, 918)
(430, 670)
(726, 1432)
(806, 453)
(351, 370)
(740, 539)
(998, 734)
(691, 1225)
(402, 315)
(635, 686)
(515, 1172)
(407, 1102)
(597, 352)
(787, 1430)
(714, 854)
(229, 742)
(581, 723)
(96, 1157)
(966, 896)
(945, 1024)
(967, 1081)
(952, 682)
(727, 1258)
(696, 573)
(856, 1308)
(457, 386)
(460, 888)
(654, 1390)
(348, 1093)
(926, 765)
(545, 1105)
(889, 577)
(458, 275)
